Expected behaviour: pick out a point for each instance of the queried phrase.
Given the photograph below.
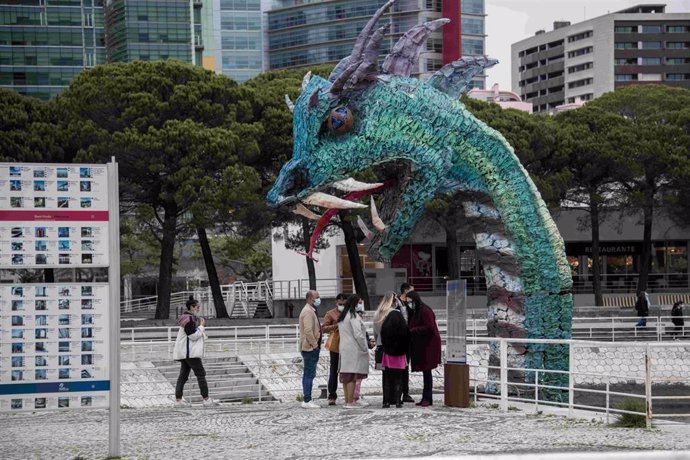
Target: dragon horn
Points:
(405, 53)
(356, 55)
(290, 104)
(369, 66)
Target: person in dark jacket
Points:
(642, 308)
(395, 340)
(425, 343)
(677, 317)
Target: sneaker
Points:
(210, 402)
(407, 399)
(331, 402)
(423, 403)
(182, 403)
(385, 405)
(310, 405)
(349, 406)
(361, 403)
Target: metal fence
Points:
(601, 375)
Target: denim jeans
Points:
(333, 376)
(427, 391)
(311, 359)
(642, 322)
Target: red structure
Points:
(452, 33)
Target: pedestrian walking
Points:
(642, 307)
(354, 351)
(677, 318)
(189, 349)
(425, 343)
(310, 345)
(330, 327)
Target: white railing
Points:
(600, 375)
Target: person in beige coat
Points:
(354, 350)
(309, 345)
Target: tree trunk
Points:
(453, 252)
(306, 235)
(646, 247)
(355, 263)
(218, 303)
(596, 268)
(166, 262)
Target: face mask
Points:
(341, 307)
(359, 307)
(317, 302)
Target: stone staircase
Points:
(229, 380)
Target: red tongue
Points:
(328, 215)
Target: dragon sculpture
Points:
(423, 141)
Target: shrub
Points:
(638, 420)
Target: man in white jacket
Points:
(189, 349)
(310, 345)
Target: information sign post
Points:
(456, 371)
(59, 336)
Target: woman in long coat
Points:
(354, 350)
(425, 343)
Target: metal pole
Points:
(504, 375)
(114, 281)
(571, 380)
(648, 385)
(536, 390)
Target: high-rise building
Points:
(44, 44)
(153, 30)
(638, 45)
(304, 33)
(233, 38)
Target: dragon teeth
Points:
(362, 226)
(300, 210)
(351, 185)
(305, 80)
(289, 103)
(375, 219)
(331, 202)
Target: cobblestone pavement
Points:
(286, 431)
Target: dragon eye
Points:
(340, 120)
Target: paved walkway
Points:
(285, 431)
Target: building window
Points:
(676, 45)
(677, 61)
(625, 45)
(677, 29)
(626, 29)
(650, 61)
(649, 77)
(579, 83)
(472, 6)
(626, 61)
(580, 67)
(472, 26)
(650, 45)
(647, 29)
(581, 36)
(677, 76)
(432, 65)
(472, 47)
(626, 77)
(580, 52)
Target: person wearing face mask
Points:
(390, 330)
(330, 327)
(310, 345)
(188, 350)
(354, 348)
(425, 343)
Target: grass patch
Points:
(299, 398)
(631, 420)
(247, 400)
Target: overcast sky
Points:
(509, 21)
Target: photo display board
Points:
(54, 346)
(456, 321)
(55, 338)
(53, 216)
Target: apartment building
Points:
(638, 45)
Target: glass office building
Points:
(44, 44)
(233, 38)
(153, 30)
(303, 33)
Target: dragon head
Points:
(361, 118)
